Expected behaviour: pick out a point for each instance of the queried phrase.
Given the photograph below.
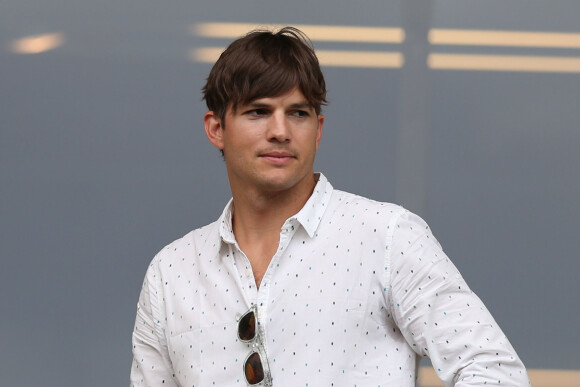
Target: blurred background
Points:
(465, 112)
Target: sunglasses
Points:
(256, 369)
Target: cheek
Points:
(239, 147)
(315, 141)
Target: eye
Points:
(300, 113)
(256, 112)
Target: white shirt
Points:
(356, 293)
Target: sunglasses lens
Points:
(247, 327)
(253, 369)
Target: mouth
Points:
(277, 157)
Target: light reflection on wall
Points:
(459, 39)
(504, 38)
(314, 32)
(538, 377)
(517, 63)
(37, 44)
(323, 33)
(366, 59)
(495, 62)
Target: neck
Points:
(257, 214)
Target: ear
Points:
(319, 130)
(214, 129)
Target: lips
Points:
(277, 157)
(277, 154)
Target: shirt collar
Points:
(309, 216)
(226, 226)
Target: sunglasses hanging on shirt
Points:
(256, 368)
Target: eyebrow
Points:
(299, 105)
(303, 105)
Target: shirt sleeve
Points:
(441, 318)
(151, 363)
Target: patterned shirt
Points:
(356, 293)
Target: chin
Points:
(281, 183)
(276, 185)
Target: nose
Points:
(278, 130)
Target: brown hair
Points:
(265, 64)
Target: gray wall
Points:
(103, 161)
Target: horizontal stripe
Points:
(504, 63)
(314, 32)
(504, 38)
(37, 44)
(374, 59)
(538, 377)
(367, 59)
(437, 36)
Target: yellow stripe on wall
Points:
(436, 61)
(437, 36)
(471, 62)
(206, 54)
(368, 59)
(504, 38)
(37, 44)
(314, 32)
(374, 59)
(538, 377)
(504, 63)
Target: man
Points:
(296, 283)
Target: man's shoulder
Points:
(393, 216)
(354, 202)
(361, 212)
(196, 240)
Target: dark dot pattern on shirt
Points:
(356, 290)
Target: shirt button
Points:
(248, 273)
(260, 315)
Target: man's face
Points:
(270, 143)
